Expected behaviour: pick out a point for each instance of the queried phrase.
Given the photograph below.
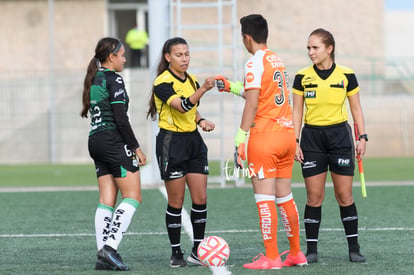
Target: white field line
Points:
(159, 186)
(70, 235)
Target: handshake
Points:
(224, 85)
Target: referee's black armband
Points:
(186, 104)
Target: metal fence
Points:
(40, 121)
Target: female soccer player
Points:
(326, 139)
(114, 149)
(267, 115)
(180, 149)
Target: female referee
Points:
(326, 138)
(180, 149)
(114, 149)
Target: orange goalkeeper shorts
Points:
(271, 155)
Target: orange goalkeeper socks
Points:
(268, 223)
(290, 217)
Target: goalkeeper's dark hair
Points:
(327, 40)
(255, 25)
(162, 66)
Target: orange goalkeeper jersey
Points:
(266, 72)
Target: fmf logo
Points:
(310, 94)
(344, 162)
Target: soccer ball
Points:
(213, 251)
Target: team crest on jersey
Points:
(249, 77)
(310, 94)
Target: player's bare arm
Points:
(177, 103)
(358, 117)
(206, 125)
(250, 108)
(297, 123)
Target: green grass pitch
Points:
(53, 232)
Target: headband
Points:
(117, 47)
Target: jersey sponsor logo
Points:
(118, 80)
(344, 162)
(249, 77)
(249, 65)
(284, 122)
(265, 221)
(271, 170)
(174, 225)
(274, 61)
(310, 94)
(309, 164)
(116, 223)
(311, 85)
(285, 221)
(338, 85)
(308, 80)
(176, 174)
(134, 162)
(118, 93)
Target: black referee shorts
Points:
(180, 153)
(111, 155)
(326, 147)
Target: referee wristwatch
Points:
(364, 136)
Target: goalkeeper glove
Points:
(224, 85)
(240, 149)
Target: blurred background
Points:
(47, 45)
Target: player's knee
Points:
(315, 200)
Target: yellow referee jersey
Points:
(168, 87)
(325, 93)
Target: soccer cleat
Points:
(263, 262)
(312, 257)
(298, 260)
(101, 264)
(177, 260)
(355, 255)
(109, 255)
(193, 258)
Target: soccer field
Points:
(53, 233)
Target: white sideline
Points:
(210, 185)
(44, 235)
